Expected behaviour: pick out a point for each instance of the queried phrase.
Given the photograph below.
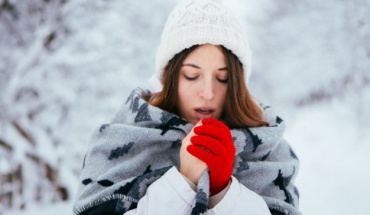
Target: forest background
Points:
(67, 65)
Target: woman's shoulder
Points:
(269, 114)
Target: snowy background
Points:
(66, 66)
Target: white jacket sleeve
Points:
(171, 194)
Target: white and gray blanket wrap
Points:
(142, 142)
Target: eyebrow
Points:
(198, 67)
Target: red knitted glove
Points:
(214, 146)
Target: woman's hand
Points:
(213, 144)
(191, 167)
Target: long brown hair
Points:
(239, 111)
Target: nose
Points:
(207, 90)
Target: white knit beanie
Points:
(197, 22)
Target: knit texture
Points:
(142, 142)
(197, 22)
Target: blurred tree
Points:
(65, 66)
(319, 49)
(28, 32)
(354, 76)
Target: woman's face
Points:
(202, 84)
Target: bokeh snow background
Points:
(66, 66)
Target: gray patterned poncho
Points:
(142, 142)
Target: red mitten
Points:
(214, 146)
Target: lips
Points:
(204, 112)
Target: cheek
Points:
(180, 91)
(184, 93)
(183, 96)
(222, 98)
(184, 89)
(221, 89)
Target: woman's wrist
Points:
(189, 177)
(191, 184)
(215, 199)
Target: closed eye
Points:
(224, 81)
(190, 78)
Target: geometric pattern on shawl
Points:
(142, 142)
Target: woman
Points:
(197, 143)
